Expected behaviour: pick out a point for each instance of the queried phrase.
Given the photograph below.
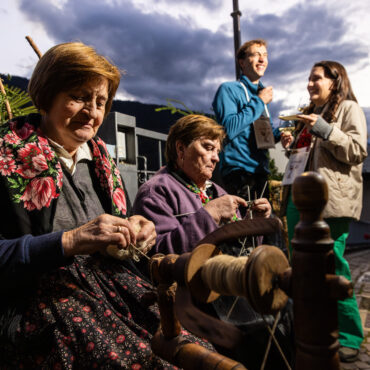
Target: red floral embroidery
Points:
(120, 200)
(67, 340)
(107, 166)
(109, 177)
(35, 175)
(90, 346)
(7, 167)
(12, 138)
(33, 161)
(23, 157)
(59, 179)
(25, 131)
(6, 154)
(113, 355)
(46, 149)
(39, 193)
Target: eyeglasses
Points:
(258, 55)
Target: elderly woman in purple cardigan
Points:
(185, 206)
(180, 199)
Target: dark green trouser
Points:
(349, 321)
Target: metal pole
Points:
(236, 21)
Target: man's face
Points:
(255, 63)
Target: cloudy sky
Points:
(184, 49)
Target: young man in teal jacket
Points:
(237, 106)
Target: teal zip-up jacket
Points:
(237, 115)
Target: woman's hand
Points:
(261, 208)
(286, 139)
(97, 234)
(224, 208)
(309, 120)
(145, 232)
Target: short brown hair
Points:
(67, 66)
(243, 50)
(190, 128)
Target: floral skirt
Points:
(89, 314)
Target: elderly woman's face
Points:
(319, 86)
(76, 115)
(198, 160)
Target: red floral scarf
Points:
(34, 174)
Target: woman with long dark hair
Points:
(332, 129)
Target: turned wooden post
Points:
(160, 268)
(315, 288)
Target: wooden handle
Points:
(7, 105)
(34, 47)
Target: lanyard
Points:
(248, 99)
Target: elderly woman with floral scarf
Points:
(64, 304)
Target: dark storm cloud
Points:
(166, 57)
(204, 3)
(301, 36)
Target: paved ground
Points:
(359, 261)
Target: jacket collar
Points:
(253, 88)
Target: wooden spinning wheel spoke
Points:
(242, 252)
(272, 337)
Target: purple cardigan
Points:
(179, 217)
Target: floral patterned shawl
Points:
(32, 178)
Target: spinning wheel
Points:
(264, 278)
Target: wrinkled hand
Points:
(224, 208)
(145, 232)
(309, 120)
(266, 94)
(261, 208)
(97, 234)
(286, 139)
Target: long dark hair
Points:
(341, 89)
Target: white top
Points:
(69, 162)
